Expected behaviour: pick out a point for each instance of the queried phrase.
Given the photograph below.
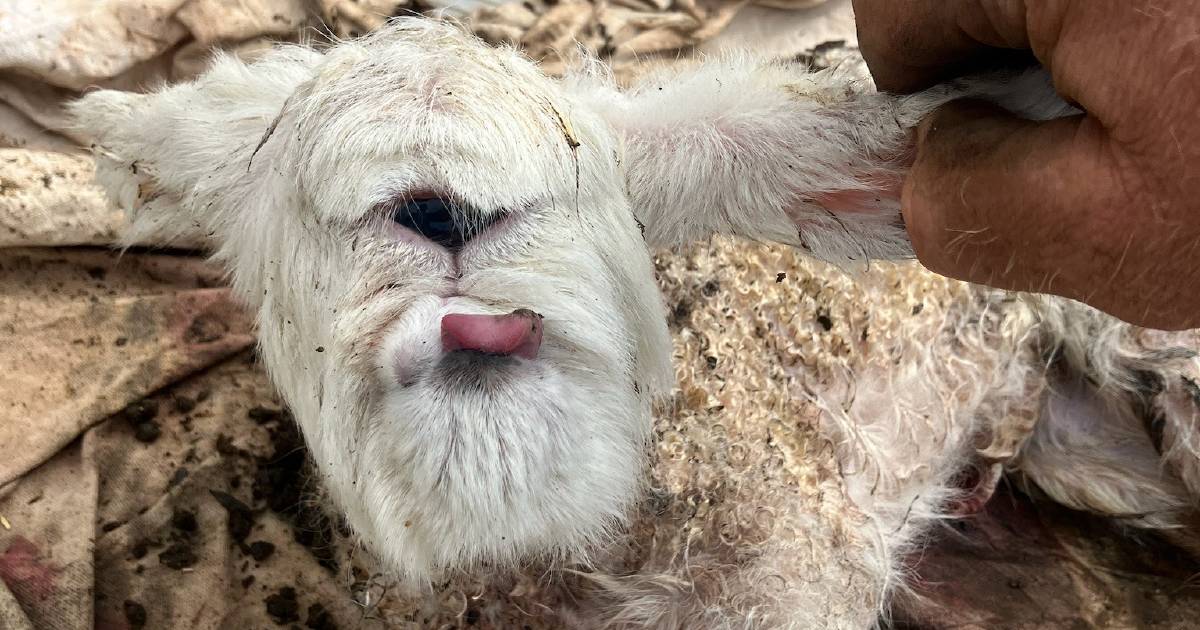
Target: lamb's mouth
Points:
(482, 353)
(464, 340)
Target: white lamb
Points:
(447, 252)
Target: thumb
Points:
(1043, 207)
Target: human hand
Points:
(1103, 207)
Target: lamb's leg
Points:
(1091, 454)
(1118, 432)
(1177, 408)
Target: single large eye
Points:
(432, 218)
(442, 221)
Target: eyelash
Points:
(441, 220)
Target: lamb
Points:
(449, 258)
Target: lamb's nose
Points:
(517, 334)
(442, 221)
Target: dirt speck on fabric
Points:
(225, 446)
(135, 614)
(147, 432)
(179, 555)
(140, 548)
(241, 517)
(177, 477)
(282, 606)
(319, 619)
(141, 416)
(260, 550)
(184, 404)
(264, 415)
(184, 521)
(205, 329)
(141, 411)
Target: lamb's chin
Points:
(494, 461)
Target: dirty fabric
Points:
(160, 483)
(150, 478)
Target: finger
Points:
(912, 44)
(1045, 207)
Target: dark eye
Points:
(432, 218)
(441, 220)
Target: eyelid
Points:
(389, 198)
(392, 198)
(439, 220)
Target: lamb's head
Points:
(453, 295)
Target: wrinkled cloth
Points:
(48, 198)
(161, 484)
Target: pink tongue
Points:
(517, 334)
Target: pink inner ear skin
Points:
(885, 187)
(882, 196)
(856, 201)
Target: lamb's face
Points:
(453, 294)
(455, 301)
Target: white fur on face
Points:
(438, 460)
(454, 461)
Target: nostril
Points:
(441, 221)
(517, 334)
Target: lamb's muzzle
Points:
(517, 334)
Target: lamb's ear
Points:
(767, 150)
(167, 157)
(771, 150)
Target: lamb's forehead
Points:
(419, 65)
(484, 118)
